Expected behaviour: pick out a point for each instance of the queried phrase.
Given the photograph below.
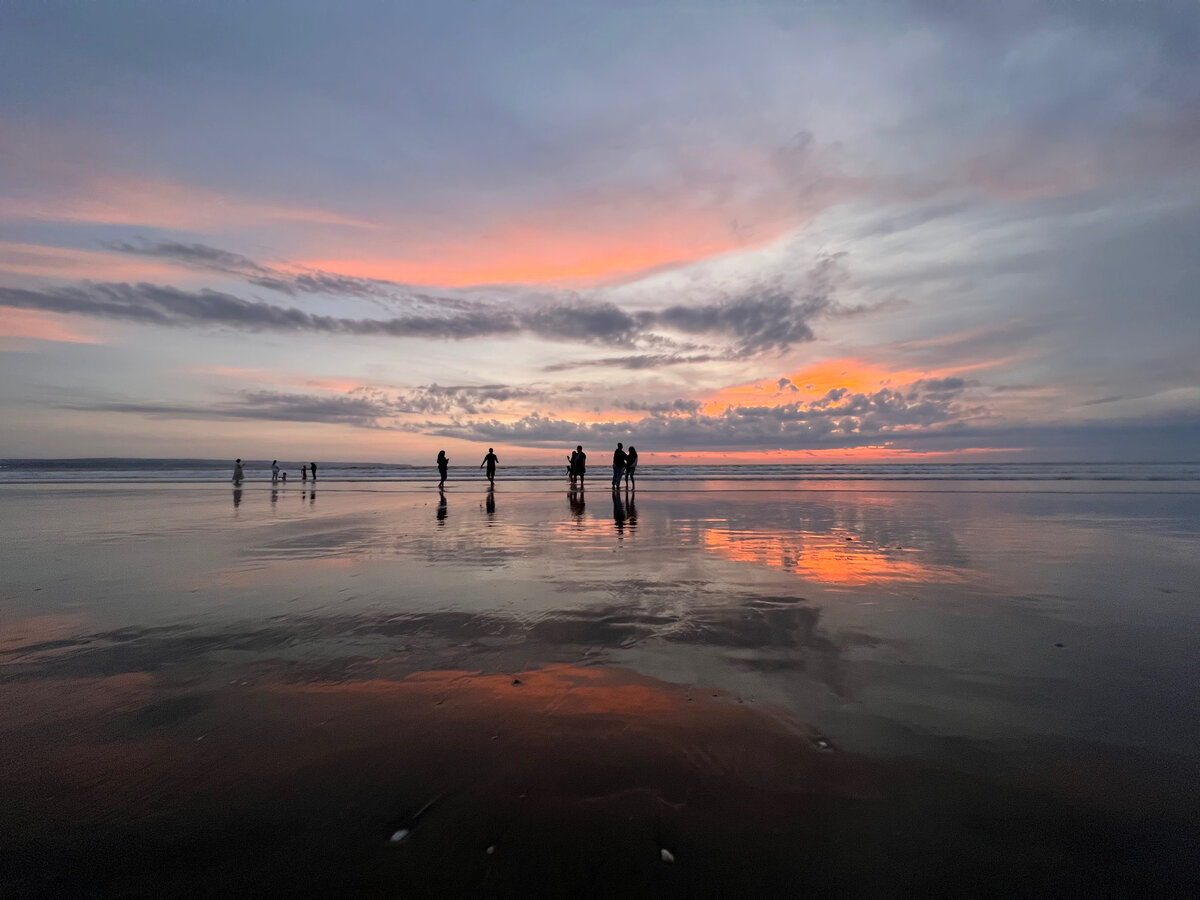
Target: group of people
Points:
(239, 472)
(624, 466)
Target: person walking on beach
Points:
(630, 467)
(304, 472)
(443, 463)
(619, 458)
(490, 461)
(274, 471)
(313, 467)
(238, 474)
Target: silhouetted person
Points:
(442, 509)
(443, 463)
(313, 468)
(283, 477)
(618, 465)
(578, 464)
(237, 496)
(304, 473)
(630, 466)
(490, 505)
(490, 461)
(238, 474)
(274, 471)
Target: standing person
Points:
(238, 474)
(630, 467)
(618, 465)
(580, 463)
(313, 467)
(304, 472)
(443, 463)
(274, 471)
(490, 461)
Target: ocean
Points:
(50, 471)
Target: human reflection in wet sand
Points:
(631, 508)
(312, 495)
(274, 495)
(575, 500)
(237, 497)
(441, 508)
(618, 513)
(490, 503)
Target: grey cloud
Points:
(214, 259)
(773, 320)
(159, 305)
(669, 407)
(638, 361)
(756, 324)
(585, 322)
(346, 409)
(198, 255)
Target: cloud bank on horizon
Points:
(847, 230)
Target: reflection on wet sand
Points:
(560, 777)
(856, 694)
(826, 559)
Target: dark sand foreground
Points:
(858, 693)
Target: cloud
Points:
(753, 323)
(199, 255)
(360, 407)
(638, 361)
(837, 419)
(360, 410)
(668, 407)
(168, 306)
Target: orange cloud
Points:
(42, 326)
(855, 375)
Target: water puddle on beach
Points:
(392, 692)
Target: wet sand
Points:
(860, 692)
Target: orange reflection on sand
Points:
(824, 558)
(560, 689)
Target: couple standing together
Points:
(624, 463)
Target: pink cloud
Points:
(42, 326)
(42, 261)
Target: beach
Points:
(729, 687)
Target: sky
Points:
(832, 230)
